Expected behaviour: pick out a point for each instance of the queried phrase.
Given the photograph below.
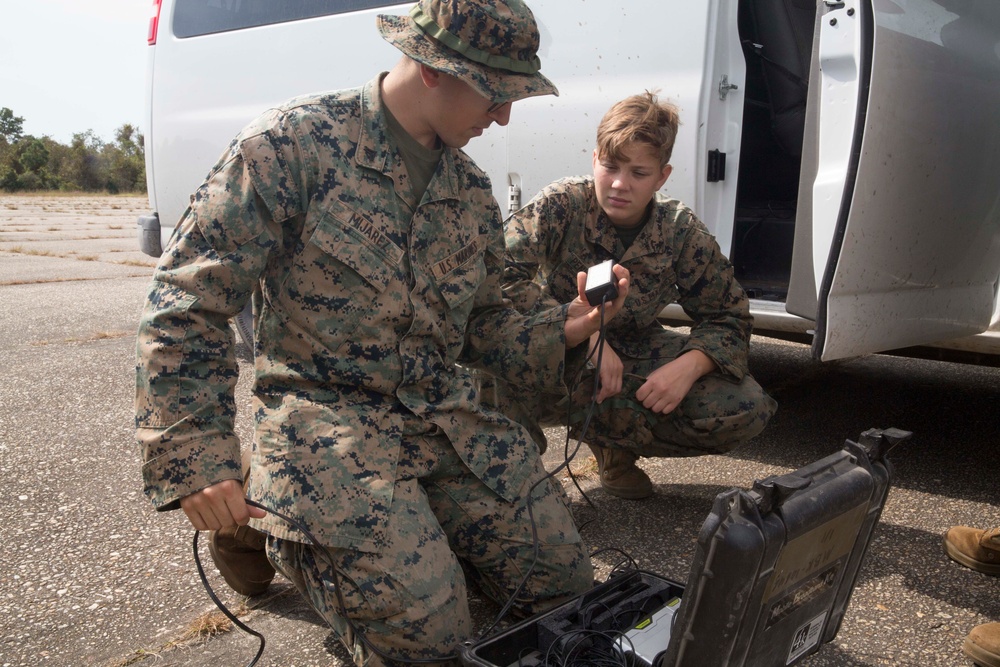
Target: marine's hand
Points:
(219, 506)
(582, 319)
(666, 387)
(612, 370)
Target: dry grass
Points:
(42, 281)
(205, 626)
(209, 624)
(21, 250)
(137, 262)
(140, 655)
(67, 194)
(99, 335)
(584, 468)
(106, 335)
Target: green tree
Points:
(125, 160)
(6, 167)
(11, 126)
(82, 168)
(10, 131)
(26, 166)
(87, 163)
(58, 157)
(33, 154)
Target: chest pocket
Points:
(645, 302)
(561, 280)
(459, 278)
(339, 274)
(348, 238)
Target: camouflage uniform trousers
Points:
(718, 414)
(410, 599)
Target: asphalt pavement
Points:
(93, 576)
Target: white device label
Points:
(806, 637)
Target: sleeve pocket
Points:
(270, 175)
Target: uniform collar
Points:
(377, 149)
(652, 240)
(599, 230)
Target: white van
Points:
(845, 154)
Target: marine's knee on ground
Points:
(383, 620)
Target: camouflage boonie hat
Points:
(492, 45)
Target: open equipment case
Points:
(772, 575)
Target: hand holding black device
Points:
(601, 283)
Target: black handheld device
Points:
(601, 283)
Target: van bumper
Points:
(149, 234)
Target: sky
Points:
(68, 66)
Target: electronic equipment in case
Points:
(648, 639)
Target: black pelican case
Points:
(771, 579)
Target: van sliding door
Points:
(904, 196)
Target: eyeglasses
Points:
(496, 106)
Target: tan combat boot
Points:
(977, 549)
(239, 553)
(619, 474)
(983, 645)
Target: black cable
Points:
(618, 568)
(550, 475)
(598, 348)
(337, 575)
(584, 647)
(534, 559)
(225, 610)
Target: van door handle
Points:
(725, 87)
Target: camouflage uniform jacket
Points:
(675, 259)
(364, 301)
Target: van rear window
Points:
(201, 17)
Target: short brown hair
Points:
(639, 118)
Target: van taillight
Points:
(154, 23)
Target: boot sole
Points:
(628, 493)
(980, 655)
(992, 569)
